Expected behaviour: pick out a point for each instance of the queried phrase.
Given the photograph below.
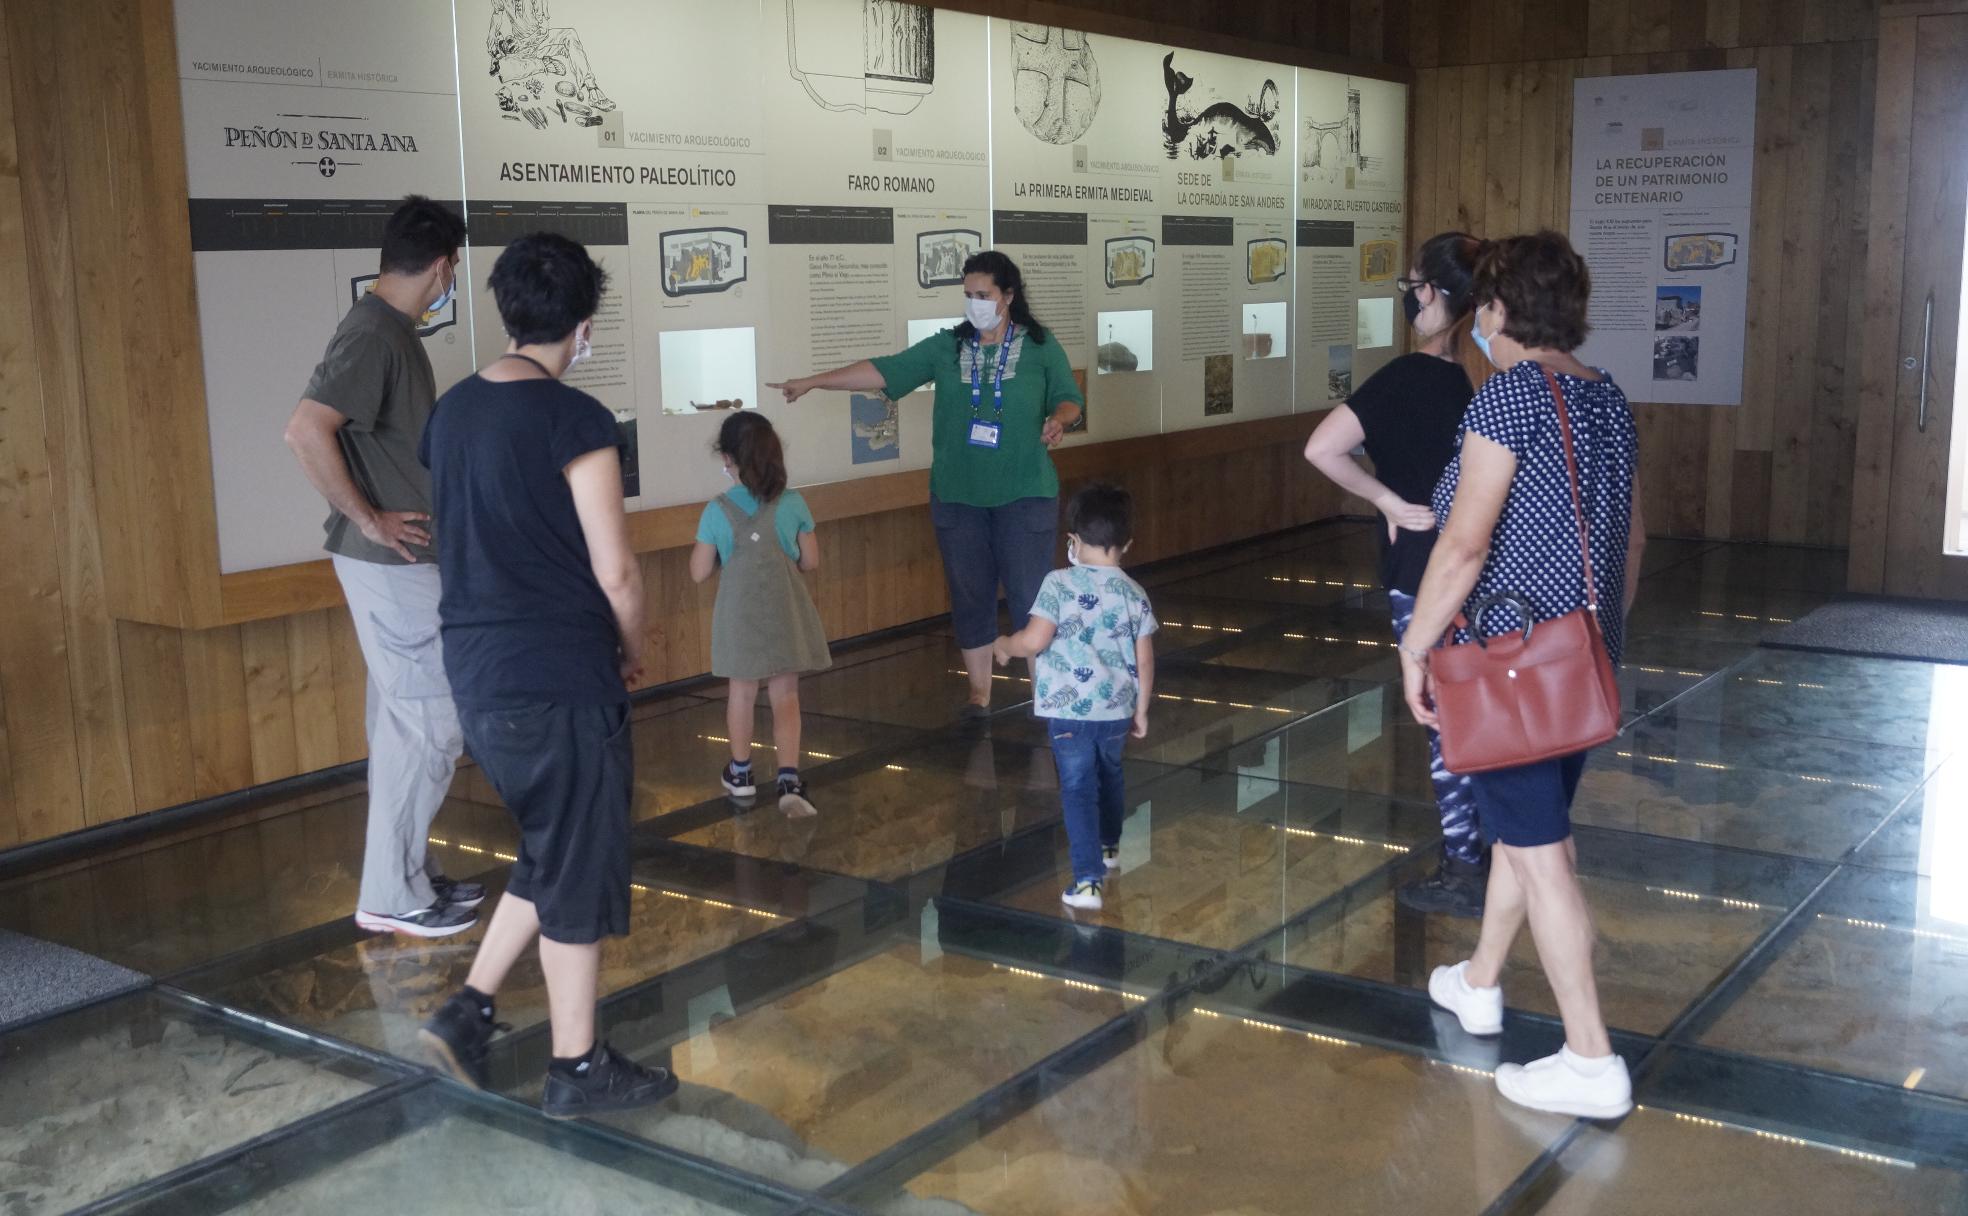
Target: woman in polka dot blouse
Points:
(1507, 526)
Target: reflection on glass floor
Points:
(885, 1008)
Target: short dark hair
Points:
(419, 233)
(546, 285)
(753, 446)
(1102, 515)
(1543, 284)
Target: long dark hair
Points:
(1003, 272)
(1448, 260)
(753, 446)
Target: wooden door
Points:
(1908, 558)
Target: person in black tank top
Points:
(1408, 416)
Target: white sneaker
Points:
(1112, 856)
(1569, 1084)
(1082, 894)
(1480, 1010)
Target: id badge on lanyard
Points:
(985, 434)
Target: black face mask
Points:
(1411, 305)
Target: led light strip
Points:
(1274, 1028)
(645, 888)
(1715, 766)
(1082, 985)
(1910, 930)
(1782, 1138)
(768, 747)
(1352, 840)
(1741, 905)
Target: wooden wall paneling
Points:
(351, 686)
(10, 825)
(1367, 37)
(1722, 23)
(95, 675)
(311, 675)
(1503, 174)
(1798, 298)
(269, 699)
(1764, 332)
(1473, 144)
(1649, 26)
(215, 695)
(1606, 27)
(1537, 123)
(1455, 21)
(1421, 155)
(1841, 241)
(155, 701)
(1415, 37)
(47, 790)
(1892, 150)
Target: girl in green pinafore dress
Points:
(764, 628)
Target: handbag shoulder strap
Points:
(1572, 474)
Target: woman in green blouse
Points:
(1004, 395)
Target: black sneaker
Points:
(611, 1082)
(457, 1036)
(738, 784)
(792, 797)
(438, 920)
(1455, 889)
(458, 894)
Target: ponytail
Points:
(753, 447)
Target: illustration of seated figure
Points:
(522, 44)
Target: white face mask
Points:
(982, 314)
(438, 305)
(1072, 552)
(582, 349)
(728, 473)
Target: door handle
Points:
(1926, 347)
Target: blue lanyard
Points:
(977, 373)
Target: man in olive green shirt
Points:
(355, 433)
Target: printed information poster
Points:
(1660, 209)
(1351, 237)
(1226, 130)
(1076, 165)
(660, 174)
(302, 134)
(880, 185)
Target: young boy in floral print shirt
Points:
(1090, 634)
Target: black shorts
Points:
(1529, 806)
(567, 773)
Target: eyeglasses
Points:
(1406, 285)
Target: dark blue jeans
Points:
(985, 546)
(1091, 790)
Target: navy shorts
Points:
(1528, 806)
(567, 774)
(983, 547)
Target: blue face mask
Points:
(1482, 343)
(438, 305)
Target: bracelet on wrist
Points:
(1419, 656)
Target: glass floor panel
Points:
(104, 1098)
(1662, 1161)
(1214, 860)
(1672, 919)
(1875, 985)
(841, 1068)
(883, 1008)
(1218, 1114)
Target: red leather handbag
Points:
(1543, 692)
